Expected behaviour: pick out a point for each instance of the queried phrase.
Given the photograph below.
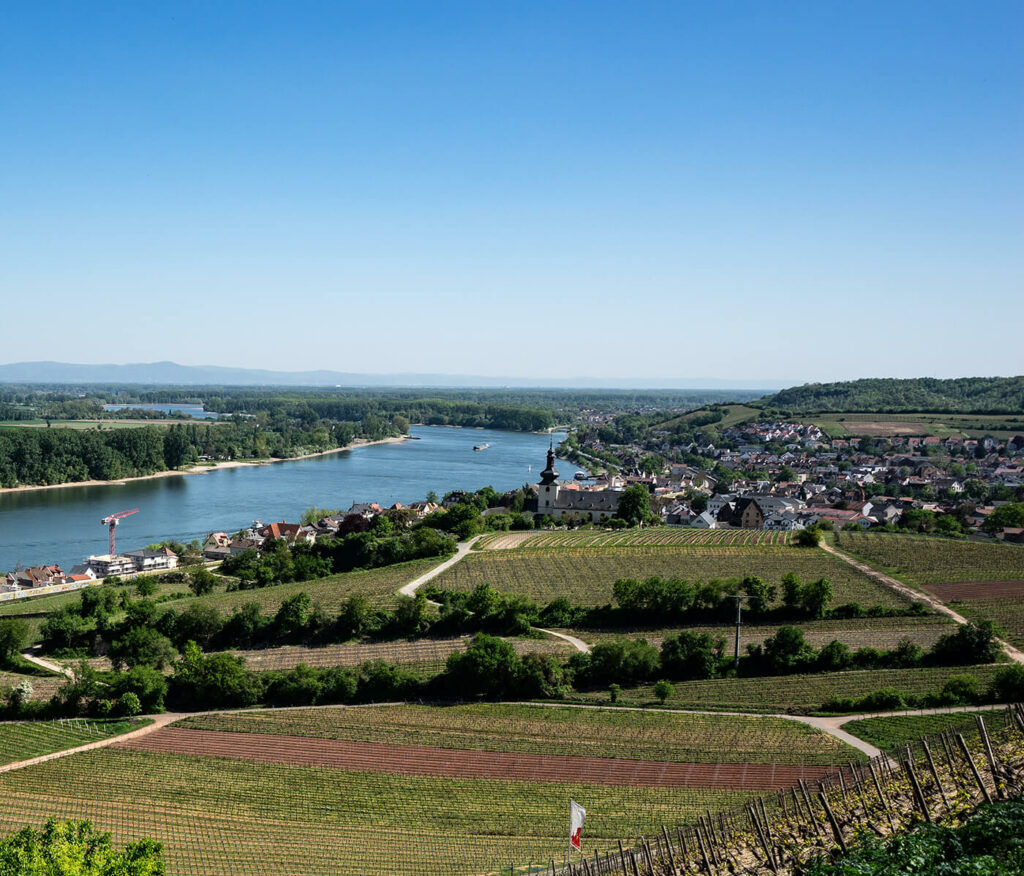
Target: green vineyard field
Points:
(585, 575)
(643, 735)
(805, 693)
(221, 817)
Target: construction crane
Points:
(112, 522)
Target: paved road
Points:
(916, 595)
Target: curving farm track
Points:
(414, 760)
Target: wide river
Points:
(63, 525)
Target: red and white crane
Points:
(112, 522)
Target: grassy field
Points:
(657, 736)
(887, 733)
(798, 693)
(884, 632)
(21, 740)
(733, 414)
(585, 575)
(38, 606)
(222, 817)
(927, 560)
(378, 585)
(879, 425)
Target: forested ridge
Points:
(970, 395)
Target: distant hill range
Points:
(173, 374)
(974, 395)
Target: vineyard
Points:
(21, 740)
(1008, 615)
(43, 686)
(585, 575)
(606, 733)
(657, 537)
(425, 655)
(417, 760)
(891, 732)
(928, 562)
(941, 781)
(884, 633)
(800, 693)
(228, 817)
(984, 579)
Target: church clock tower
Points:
(547, 489)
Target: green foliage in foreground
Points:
(73, 848)
(990, 843)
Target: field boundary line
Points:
(909, 592)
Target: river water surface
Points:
(63, 525)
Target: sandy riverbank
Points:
(200, 469)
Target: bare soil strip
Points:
(969, 591)
(413, 760)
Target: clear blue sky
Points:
(741, 190)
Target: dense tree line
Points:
(656, 601)
(58, 456)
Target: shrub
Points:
(885, 699)
(809, 537)
(971, 643)
(1008, 684)
(489, 667)
(691, 655)
(662, 690)
(128, 705)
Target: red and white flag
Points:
(577, 815)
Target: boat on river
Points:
(481, 446)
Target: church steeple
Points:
(549, 475)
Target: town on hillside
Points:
(788, 476)
(768, 475)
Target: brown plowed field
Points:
(411, 760)
(968, 591)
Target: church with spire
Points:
(557, 500)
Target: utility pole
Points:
(739, 621)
